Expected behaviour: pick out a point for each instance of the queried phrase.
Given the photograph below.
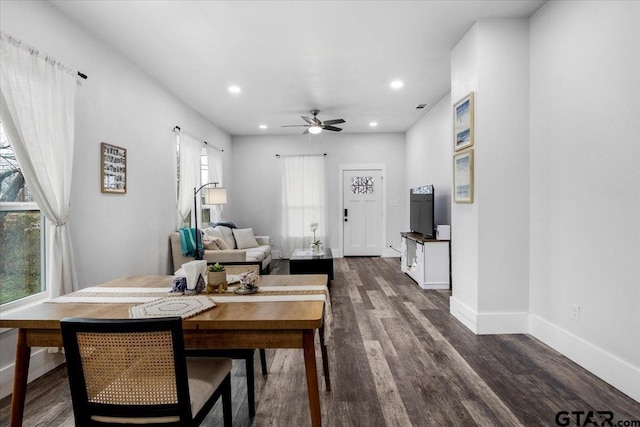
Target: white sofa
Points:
(250, 251)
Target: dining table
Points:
(286, 312)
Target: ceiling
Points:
(289, 57)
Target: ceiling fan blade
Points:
(333, 122)
(305, 132)
(307, 119)
(333, 128)
(294, 126)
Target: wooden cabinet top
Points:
(419, 237)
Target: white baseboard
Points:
(489, 323)
(390, 253)
(464, 314)
(41, 362)
(615, 371)
(503, 323)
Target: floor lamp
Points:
(212, 196)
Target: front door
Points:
(362, 214)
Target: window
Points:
(205, 213)
(21, 232)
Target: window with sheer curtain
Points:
(21, 231)
(206, 166)
(189, 171)
(303, 201)
(37, 94)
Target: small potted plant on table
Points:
(216, 278)
(316, 246)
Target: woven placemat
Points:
(172, 306)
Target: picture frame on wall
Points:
(463, 176)
(113, 167)
(463, 123)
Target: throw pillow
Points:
(221, 243)
(224, 223)
(210, 244)
(227, 235)
(245, 238)
(210, 233)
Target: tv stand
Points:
(426, 260)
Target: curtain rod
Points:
(179, 130)
(19, 43)
(299, 155)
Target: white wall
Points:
(490, 248)
(585, 204)
(464, 217)
(255, 198)
(428, 156)
(113, 235)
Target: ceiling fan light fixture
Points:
(315, 129)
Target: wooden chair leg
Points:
(325, 360)
(263, 361)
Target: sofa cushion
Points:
(215, 243)
(210, 245)
(227, 235)
(245, 238)
(258, 253)
(212, 232)
(253, 255)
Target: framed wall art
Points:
(113, 169)
(463, 177)
(463, 123)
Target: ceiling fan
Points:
(315, 125)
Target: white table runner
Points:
(141, 295)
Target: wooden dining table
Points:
(229, 325)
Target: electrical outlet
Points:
(575, 312)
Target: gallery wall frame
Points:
(113, 169)
(463, 176)
(463, 123)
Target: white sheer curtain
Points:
(303, 201)
(214, 161)
(37, 111)
(190, 152)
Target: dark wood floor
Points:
(397, 359)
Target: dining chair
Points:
(134, 371)
(246, 354)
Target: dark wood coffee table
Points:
(302, 262)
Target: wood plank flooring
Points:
(397, 359)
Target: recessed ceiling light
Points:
(397, 84)
(234, 89)
(373, 124)
(263, 126)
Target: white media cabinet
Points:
(426, 261)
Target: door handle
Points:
(346, 214)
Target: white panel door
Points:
(362, 215)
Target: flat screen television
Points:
(421, 211)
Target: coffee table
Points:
(302, 262)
